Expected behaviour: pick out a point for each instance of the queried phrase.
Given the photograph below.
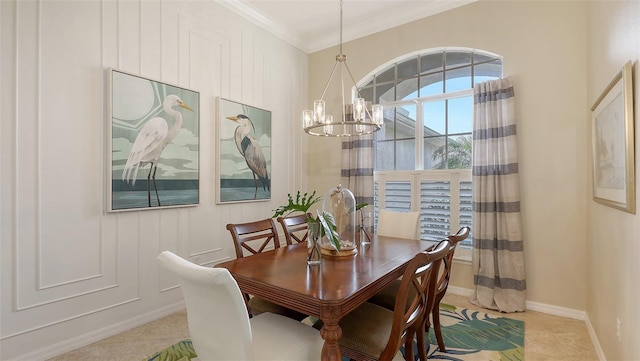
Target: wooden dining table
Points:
(329, 290)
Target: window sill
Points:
(462, 260)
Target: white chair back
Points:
(218, 321)
(398, 224)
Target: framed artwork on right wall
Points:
(612, 134)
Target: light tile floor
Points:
(547, 337)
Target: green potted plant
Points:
(322, 225)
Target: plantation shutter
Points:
(443, 198)
(435, 209)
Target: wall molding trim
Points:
(100, 334)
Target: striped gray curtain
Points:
(498, 255)
(357, 167)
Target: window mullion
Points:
(419, 137)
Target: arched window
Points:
(423, 153)
(433, 89)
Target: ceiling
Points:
(313, 25)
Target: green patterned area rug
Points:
(475, 335)
(469, 335)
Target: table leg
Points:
(331, 333)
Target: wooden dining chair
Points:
(371, 332)
(443, 284)
(295, 227)
(219, 326)
(400, 225)
(387, 297)
(252, 238)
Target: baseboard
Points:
(594, 339)
(556, 310)
(97, 335)
(460, 291)
(533, 306)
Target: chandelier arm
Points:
(329, 80)
(357, 89)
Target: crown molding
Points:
(384, 21)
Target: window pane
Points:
(384, 155)
(434, 118)
(456, 59)
(431, 84)
(434, 152)
(387, 75)
(385, 93)
(460, 115)
(408, 69)
(480, 58)
(406, 122)
(388, 130)
(431, 62)
(406, 154)
(457, 79)
(459, 152)
(367, 93)
(407, 89)
(487, 71)
(435, 209)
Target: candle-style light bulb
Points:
(307, 118)
(377, 114)
(328, 129)
(318, 108)
(358, 109)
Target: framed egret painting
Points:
(244, 148)
(612, 134)
(153, 144)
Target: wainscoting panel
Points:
(71, 272)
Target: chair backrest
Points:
(295, 228)
(218, 322)
(415, 297)
(254, 236)
(445, 275)
(398, 224)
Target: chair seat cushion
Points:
(259, 305)
(270, 333)
(366, 329)
(387, 296)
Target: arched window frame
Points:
(443, 197)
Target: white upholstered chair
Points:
(220, 327)
(398, 224)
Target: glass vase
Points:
(341, 203)
(313, 244)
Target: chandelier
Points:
(356, 118)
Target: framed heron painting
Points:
(244, 149)
(153, 144)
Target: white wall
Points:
(544, 48)
(71, 273)
(613, 236)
